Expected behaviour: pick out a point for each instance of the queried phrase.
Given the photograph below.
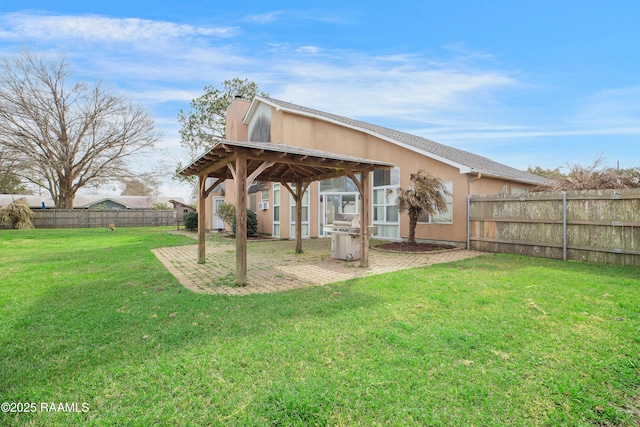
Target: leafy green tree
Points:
(427, 195)
(144, 185)
(10, 183)
(546, 173)
(161, 206)
(205, 121)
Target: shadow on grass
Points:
(106, 307)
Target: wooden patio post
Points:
(202, 223)
(298, 196)
(241, 221)
(365, 217)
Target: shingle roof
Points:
(466, 161)
(87, 200)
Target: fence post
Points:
(469, 222)
(54, 218)
(144, 223)
(86, 218)
(564, 226)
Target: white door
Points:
(218, 223)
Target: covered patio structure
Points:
(246, 162)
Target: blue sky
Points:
(541, 82)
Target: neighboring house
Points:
(179, 209)
(93, 201)
(84, 201)
(270, 120)
(34, 201)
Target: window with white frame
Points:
(385, 208)
(442, 217)
(305, 213)
(276, 210)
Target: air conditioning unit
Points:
(263, 206)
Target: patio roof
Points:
(246, 162)
(290, 163)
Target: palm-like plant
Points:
(427, 194)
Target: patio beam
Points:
(258, 171)
(219, 164)
(215, 184)
(299, 194)
(202, 184)
(365, 217)
(241, 220)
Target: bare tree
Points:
(65, 136)
(427, 194)
(594, 177)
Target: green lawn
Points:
(92, 317)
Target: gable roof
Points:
(465, 161)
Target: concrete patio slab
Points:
(273, 265)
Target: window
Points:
(276, 210)
(385, 208)
(383, 178)
(444, 217)
(518, 190)
(342, 184)
(305, 213)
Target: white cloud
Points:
(455, 99)
(264, 18)
(356, 85)
(611, 107)
(309, 49)
(99, 28)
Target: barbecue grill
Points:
(345, 236)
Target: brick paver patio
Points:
(273, 265)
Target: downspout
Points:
(478, 176)
(468, 222)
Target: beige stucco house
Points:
(270, 120)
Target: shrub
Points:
(227, 213)
(17, 215)
(190, 220)
(161, 206)
(252, 223)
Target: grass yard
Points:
(93, 318)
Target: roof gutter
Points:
(478, 176)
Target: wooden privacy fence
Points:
(597, 226)
(87, 218)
